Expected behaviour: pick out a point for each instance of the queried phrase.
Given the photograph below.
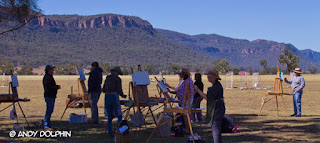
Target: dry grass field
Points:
(241, 105)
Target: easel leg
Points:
(64, 112)
(284, 106)
(264, 101)
(23, 114)
(277, 104)
(6, 107)
(157, 126)
(190, 127)
(154, 119)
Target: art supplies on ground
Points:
(81, 118)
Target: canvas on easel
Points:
(277, 91)
(13, 97)
(182, 110)
(83, 97)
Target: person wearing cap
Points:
(297, 84)
(113, 89)
(215, 104)
(50, 94)
(180, 90)
(94, 89)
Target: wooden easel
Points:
(277, 91)
(75, 98)
(14, 98)
(182, 110)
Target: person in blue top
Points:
(297, 84)
(215, 104)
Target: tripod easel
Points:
(14, 98)
(277, 91)
(75, 98)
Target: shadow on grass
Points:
(251, 129)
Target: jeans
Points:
(50, 105)
(196, 104)
(217, 121)
(297, 102)
(94, 98)
(112, 106)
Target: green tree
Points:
(174, 69)
(222, 66)
(313, 70)
(6, 67)
(149, 68)
(21, 11)
(25, 70)
(265, 69)
(105, 67)
(235, 70)
(66, 69)
(196, 69)
(289, 60)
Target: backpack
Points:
(227, 125)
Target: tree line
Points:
(287, 59)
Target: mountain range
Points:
(128, 41)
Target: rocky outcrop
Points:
(96, 21)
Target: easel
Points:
(277, 91)
(14, 98)
(182, 110)
(75, 98)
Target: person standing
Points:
(197, 98)
(50, 94)
(94, 89)
(297, 84)
(215, 104)
(113, 89)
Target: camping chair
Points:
(182, 110)
(13, 97)
(74, 99)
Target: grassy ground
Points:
(241, 105)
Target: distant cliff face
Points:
(96, 21)
(239, 52)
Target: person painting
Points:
(180, 90)
(50, 94)
(197, 98)
(215, 104)
(113, 89)
(297, 84)
(94, 88)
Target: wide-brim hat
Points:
(297, 70)
(117, 69)
(214, 73)
(49, 67)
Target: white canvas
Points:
(163, 87)
(140, 78)
(81, 74)
(14, 80)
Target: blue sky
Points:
(288, 21)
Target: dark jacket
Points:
(50, 87)
(200, 86)
(215, 103)
(95, 80)
(113, 84)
